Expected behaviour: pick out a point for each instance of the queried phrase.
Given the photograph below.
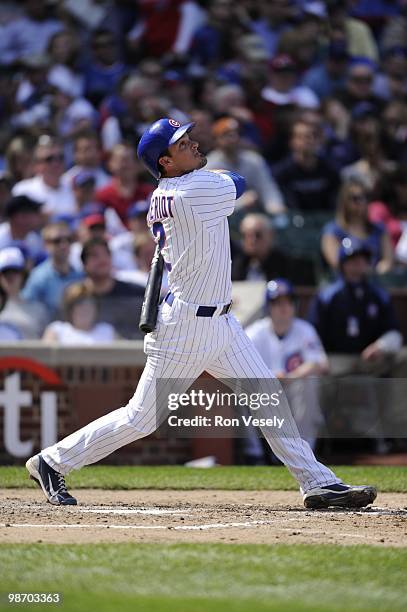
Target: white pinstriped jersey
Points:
(189, 216)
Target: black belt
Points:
(202, 311)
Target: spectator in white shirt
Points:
(28, 319)
(29, 34)
(142, 253)
(293, 351)
(70, 112)
(231, 155)
(80, 326)
(283, 87)
(84, 187)
(23, 220)
(87, 155)
(401, 248)
(46, 185)
(122, 246)
(63, 51)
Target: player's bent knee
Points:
(145, 422)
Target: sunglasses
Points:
(256, 234)
(103, 44)
(60, 240)
(58, 157)
(358, 199)
(362, 79)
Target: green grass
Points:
(391, 479)
(210, 578)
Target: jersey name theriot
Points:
(188, 215)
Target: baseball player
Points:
(290, 347)
(195, 330)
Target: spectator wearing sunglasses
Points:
(46, 186)
(359, 85)
(258, 257)
(352, 221)
(47, 282)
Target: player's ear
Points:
(164, 161)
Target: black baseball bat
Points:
(149, 310)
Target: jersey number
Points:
(159, 233)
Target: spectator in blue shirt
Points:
(326, 78)
(353, 315)
(352, 222)
(105, 71)
(212, 42)
(28, 34)
(47, 282)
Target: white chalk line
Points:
(166, 527)
(204, 527)
(109, 510)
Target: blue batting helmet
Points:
(353, 246)
(156, 139)
(278, 287)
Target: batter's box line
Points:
(104, 510)
(246, 524)
(205, 527)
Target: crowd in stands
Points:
(305, 98)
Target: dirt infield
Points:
(198, 516)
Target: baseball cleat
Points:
(51, 482)
(340, 495)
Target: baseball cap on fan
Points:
(11, 258)
(278, 287)
(283, 63)
(315, 9)
(83, 178)
(92, 214)
(156, 139)
(138, 209)
(350, 247)
(21, 203)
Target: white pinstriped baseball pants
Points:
(181, 348)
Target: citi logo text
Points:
(14, 399)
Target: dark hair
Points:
(90, 245)
(75, 293)
(386, 186)
(85, 134)
(75, 51)
(299, 120)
